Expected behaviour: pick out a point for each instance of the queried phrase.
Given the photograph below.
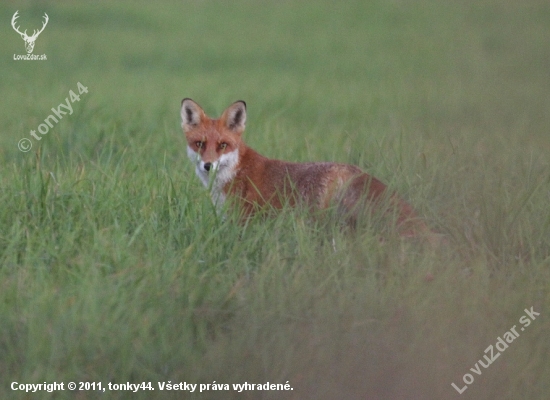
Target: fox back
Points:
(228, 167)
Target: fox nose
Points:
(207, 166)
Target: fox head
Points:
(213, 144)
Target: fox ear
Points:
(235, 116)
(191, 114)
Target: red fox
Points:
(227, 166)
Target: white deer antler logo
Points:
(29, 40)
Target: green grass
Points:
(115, 268)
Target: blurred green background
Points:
(114, 267)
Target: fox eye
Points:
(223, 146)
(199, 144)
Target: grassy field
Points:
(115, 268)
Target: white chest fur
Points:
(222, 171)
